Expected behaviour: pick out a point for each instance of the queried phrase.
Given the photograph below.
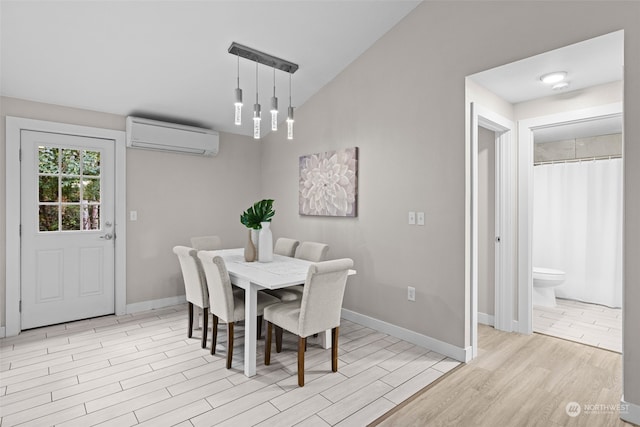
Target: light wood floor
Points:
(520, 380)
(142, 370)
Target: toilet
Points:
(545, 280)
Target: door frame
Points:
(505, 213)
(525, 196)
(14, 126)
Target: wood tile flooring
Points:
(591, 324)
(142, 370)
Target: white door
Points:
(67, 234)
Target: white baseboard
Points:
(2, 332)
(155, 304)
(629, 412)
(486, 319)
(458, 353)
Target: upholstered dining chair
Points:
(319, 310)
(285, 246)
(206, 243)
(224, 303)
(312, 251)
(194, 286)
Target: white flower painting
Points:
(329, 183)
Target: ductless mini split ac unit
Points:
(161, 136)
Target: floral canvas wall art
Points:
(328, 183)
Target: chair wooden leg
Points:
(278, 339)
(229, 344)
(334, 349)
(214, 334)
(302, 342)
(267, 345)
(205, 326)
(259, 327)
(190, 330)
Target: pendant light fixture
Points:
(256, 111)
(274, 105)
(275, 63)
(290, 114)
(238, 103)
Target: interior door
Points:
(67, 234)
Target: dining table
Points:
(279, 273)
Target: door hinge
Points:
(19, 154)
(20, 306)
(20, 230)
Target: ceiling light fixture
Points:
(555, 77)
(238, 103)
(271, 61)
(274, 105)
(290, 114)
(256, 111)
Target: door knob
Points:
(107, 236)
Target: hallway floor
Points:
(591, 324)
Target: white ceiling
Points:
(588, 63)
(169, 59)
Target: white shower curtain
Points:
(577, 228)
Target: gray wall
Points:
(176, 197)
(411, 135)
(486, 220)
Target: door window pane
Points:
(48, 188)
(48, 160)
(90, 216)
(70, 189)
(70, 161)
(91, 190)
(48, 217)
(71, 217)
(91, 163)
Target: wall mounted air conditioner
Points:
(155, 135)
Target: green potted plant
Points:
(255, 218)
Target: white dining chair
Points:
(206, 243)
(317, 311)
(194, 286)
(224, 303)
(312, 251)
(285, 246)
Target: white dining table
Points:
(253, 276)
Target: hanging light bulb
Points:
(290, 114)
(256, 111)
(274, 105)
(238, 103)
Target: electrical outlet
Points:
(412, 218)
(411, 293)
(420, 218)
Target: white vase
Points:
(265, 245)
(255, 240)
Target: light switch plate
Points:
(412, 218)
(420, 218)
(133, 215)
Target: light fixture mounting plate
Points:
(262, 58)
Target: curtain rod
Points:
(585, 159)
